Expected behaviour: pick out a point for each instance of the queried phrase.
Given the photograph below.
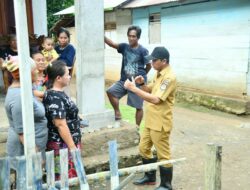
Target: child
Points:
(48, 51)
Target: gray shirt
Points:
(13, 109)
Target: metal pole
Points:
(122, 172)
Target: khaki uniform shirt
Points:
(160, 115)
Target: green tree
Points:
(54, 6)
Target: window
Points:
(154, 28)
(110, 26)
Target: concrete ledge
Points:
(99, 120)
(230, 105)
(95, 147)
(96, 143)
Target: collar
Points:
(164, 71)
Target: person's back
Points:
(13, 107)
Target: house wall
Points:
(113, 59)
(208, 44)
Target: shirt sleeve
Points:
(70, 55)
(16, 110)
(167, 86)
(145, 60)
(121, 47)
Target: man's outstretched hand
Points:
(139, 80)
(130, 84)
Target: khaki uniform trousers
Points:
(160, 140)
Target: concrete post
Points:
(1, 83)
(26, 88)
(39, 9)
(89, 23)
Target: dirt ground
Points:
(194, 127)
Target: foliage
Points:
(54, 6)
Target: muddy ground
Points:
(194, 127)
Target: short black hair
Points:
(63, 30)
(57, 68)
(33, 53)
(137, 29)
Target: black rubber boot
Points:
(166, 178)
(149, 177)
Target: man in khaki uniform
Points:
(160, 95)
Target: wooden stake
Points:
(213, 167)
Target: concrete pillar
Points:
(39, 9)
(89, 23)
(1, 82)
(26, 87)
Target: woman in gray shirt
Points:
(13, 109)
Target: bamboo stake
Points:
(134, 169)
(213, 167)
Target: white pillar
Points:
(1, 83)
(25, 79)
(39, 9)
(89, 23)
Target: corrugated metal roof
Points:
(108, 5)
(145, 3)
(69, 10)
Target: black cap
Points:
(159, 53)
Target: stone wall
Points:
(230, 105)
